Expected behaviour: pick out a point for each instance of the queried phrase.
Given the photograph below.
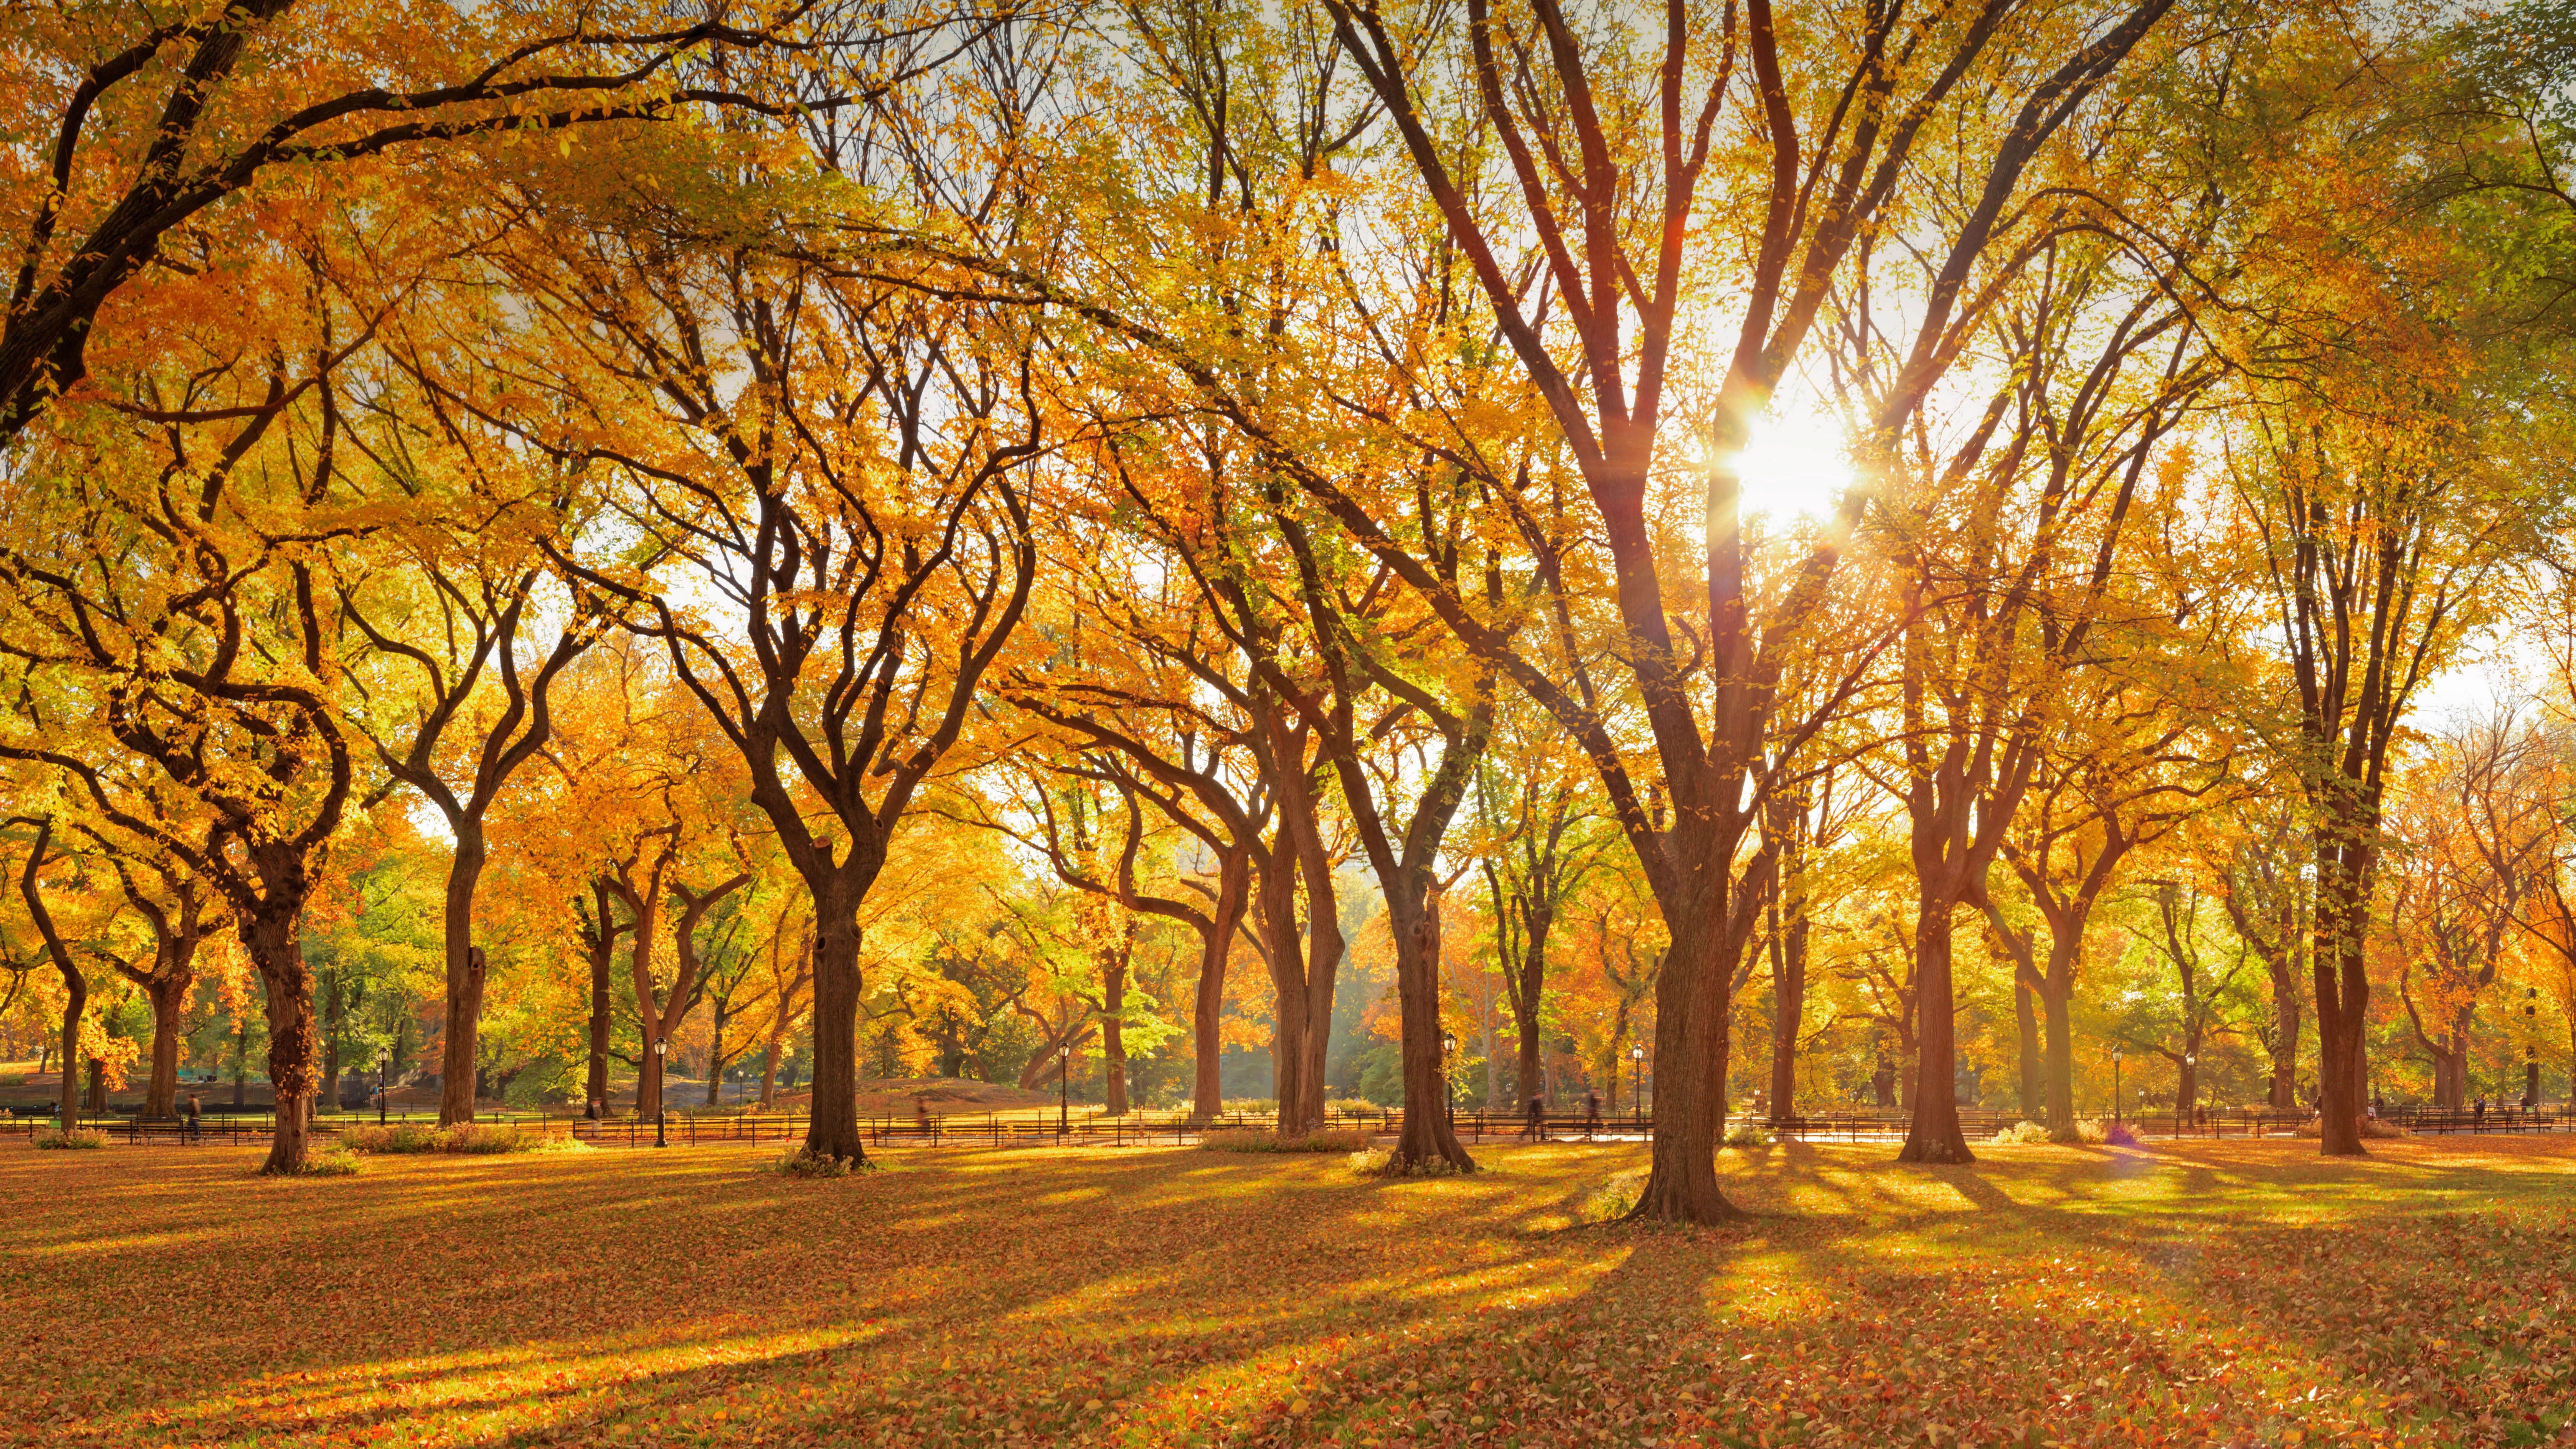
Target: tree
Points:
(155, 122)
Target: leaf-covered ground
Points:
(2240, 1293)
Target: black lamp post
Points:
(1637, 1079)
(1448, 1089)
(661, 1138)
(2115, 1086)
(1064, 1090)
(384, 1068)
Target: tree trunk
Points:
(98, 1085)
(2034, 1082)
(168, 998)
(241, 1059)
(271, 937)
(832, 1126)
(1934, 1134)
(1690, 1013)
(1533, 1076)
(2057, 1012)
(2285, 1041)
(1113, 1045)
(331, 1037)
(75, 984)
(465, 968)
(715, 1058)
(1427, 1134)
(2343, 995)
(1207, 1008)
(603, 949)
(1788, 1011)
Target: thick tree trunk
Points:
(2034, 1081)
(1283, 951)
(1690, 1013)
(2057, 1006)
(602, 956)
(832, 1126)
(168, 997)
(1934, 1134)
(465, 969)
(1788, 1012)
(2343, 996)
(1533, 1076)
(1113, 1045)
(241, 1059)
(1207, 1008)
(2285, 1041)
(715, 1058)
(75, 984)
(275, 946)
(331, 1038)
(75, 999)
(1428, 1134)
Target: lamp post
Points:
(661, 1137)
(1448, 1089)
(2115, 1086)
(384, 1068)
(1064, 1090)
(1637, 1079)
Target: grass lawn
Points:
(2242, 1293)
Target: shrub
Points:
(1612, 1200)
(1747, 1133)
(2020, 1132)
(806, 1162)
(80, 1139)
(2119, 1135)
(330, 1162)
(1250, 1141)
(476, 1138)
(1382, 1162)
(2086, 1130)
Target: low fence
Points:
(1030, 1128)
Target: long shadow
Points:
(962, 1297)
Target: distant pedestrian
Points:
(1591, 1114)
(192, 1129)
(921, 1111)
(2479, 1120)
(1536, 1126)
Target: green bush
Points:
(79, 1139)
(331, 1162)
(806, 1162)
(1381, 1162)
(1251, 1141)
(2020, 1132)
(1747, 1133)
(1612, 1200)
(473, 1138)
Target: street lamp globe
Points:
(1637, 1053)
(1448, 1043)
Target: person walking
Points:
(1536, 1126)
(2478, 1121)
(1591, 1114)
(192, 1129)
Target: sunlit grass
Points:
(2221, 1294)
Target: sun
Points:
(1795, 464)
